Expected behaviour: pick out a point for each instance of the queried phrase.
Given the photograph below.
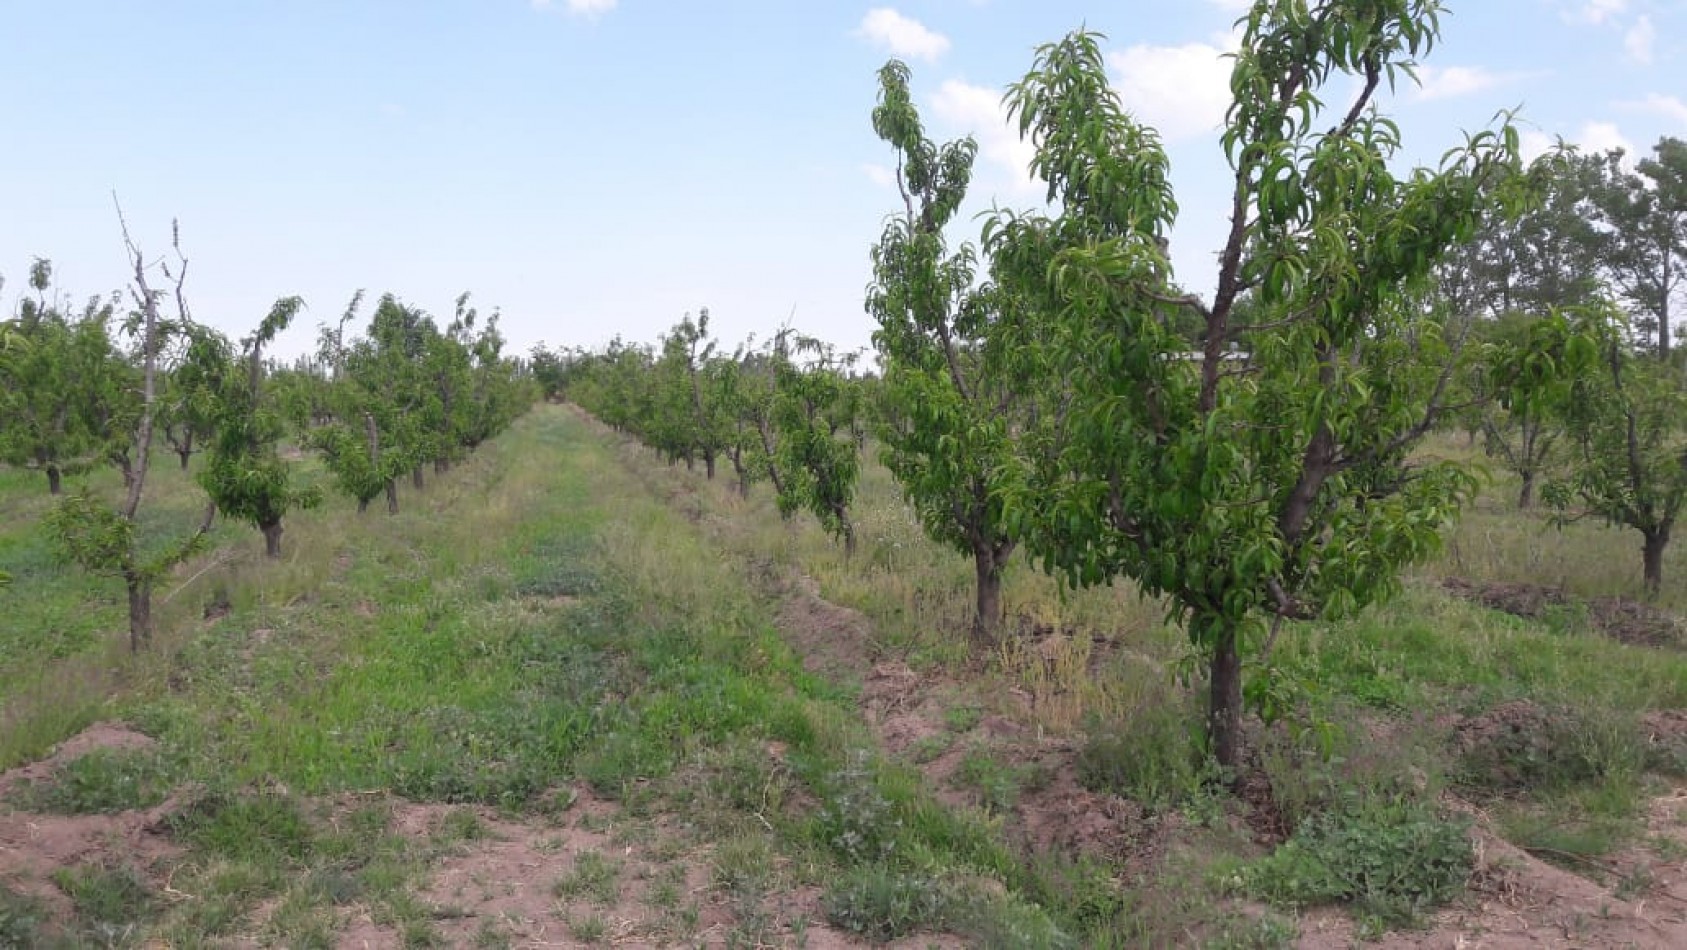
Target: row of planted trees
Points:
(790, 412)
(1249, 457)
(110, 382)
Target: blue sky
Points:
(597, 167)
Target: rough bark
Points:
(392, 496)
(1224, 704)
(416, 481)
(140, 611)
(272, 539)
(55, 480)
(709, 464)
(987, 620)
(1526, 494)
(1652, 555)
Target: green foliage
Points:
(1395, 859)
(246, 477)
(63, 386)
(1241, 484)
(1525, 374)
(1628, 423)
(816, 418)
(948, 410)
(1643, 231)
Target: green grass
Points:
(542, 622)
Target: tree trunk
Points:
(848, 535)
(416, 478)
(1224, 706)
(55, 480)
(183, 455)
(441, 466)
(362, 505)
(1652, 554)
(709, 464)
(742, 473)
(1526, 496)
(140, 612)
(392, 496)
(988, 618)
(272, 539)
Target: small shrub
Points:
(103, 781)
(857, 820)
(20, 920)
(1394, 858)
(881, 905)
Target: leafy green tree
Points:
(108, 540)
(247, 477)
(813, 444)
(189, 393)
(947, 425)
(1254, 485)
(1628, 422)
(62, 392)
(1644, 214)
(1525, 373)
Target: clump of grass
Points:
(962, 718)
(588, 929)
(112, 903)
(1523, 746)
(1393, 858)
(996, 783)
(593, 876)
(103, 781)
(261, 827)
(1153, 757)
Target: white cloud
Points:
(879, 175)
(1593, 138)
(1181, 91)
(979, 112)
(1639, 40)
(902, 36)
(1533, 143)
(1598, 11)
(585, 8)
(1670, 107)
(1447, 82)
(1602, 137)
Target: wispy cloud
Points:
(1181, 91)
(902, 36)
(978, 111)
(585, 8)
(879, 174)
(1597, 11)
(1670, 107)
(1448, 82)
(1640, 40)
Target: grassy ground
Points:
(572, 659)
